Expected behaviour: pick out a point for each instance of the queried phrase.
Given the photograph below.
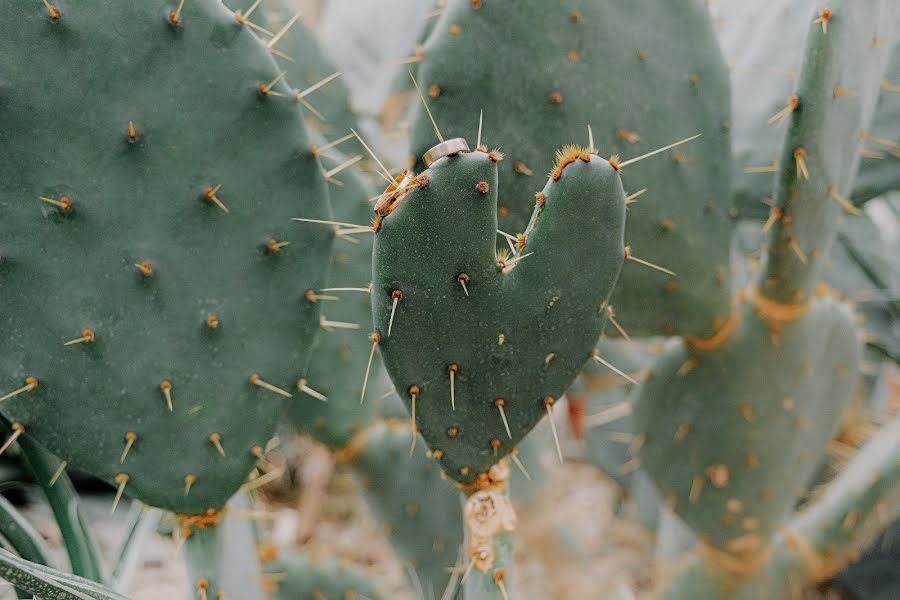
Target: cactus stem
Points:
(87, 336)
(595, 354)
(189, 480)
(548, 403)
(255, 380)
(376, 339)
(215, 439)
(130, 438)
(452, 369)
(166, 387)
(122, 480)
(210, 194)
(31, 383)
(646, 263)
(462, 279)
(781, 116)
(301, 385)
(631, 161)
(18, 430)
(500, 403)
(347, 163)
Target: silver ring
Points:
(448, 148)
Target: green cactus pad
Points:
(748, 421)
(837, 91)
(644, 74)
(137, 114)
(512, 338)
(831, 531)
(409, 494)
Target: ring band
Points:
(448, 148)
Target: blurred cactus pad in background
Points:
(450, 299)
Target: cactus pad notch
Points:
(479, 344)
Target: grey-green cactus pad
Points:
(70, 88)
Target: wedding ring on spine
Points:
(448, 148)
(391, 196)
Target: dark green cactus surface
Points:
(171, 165)
(509, 338)
(542, 73)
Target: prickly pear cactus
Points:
(762, 41)
(480, 344)
(155, 304)
(752, 410)
(543, 74)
